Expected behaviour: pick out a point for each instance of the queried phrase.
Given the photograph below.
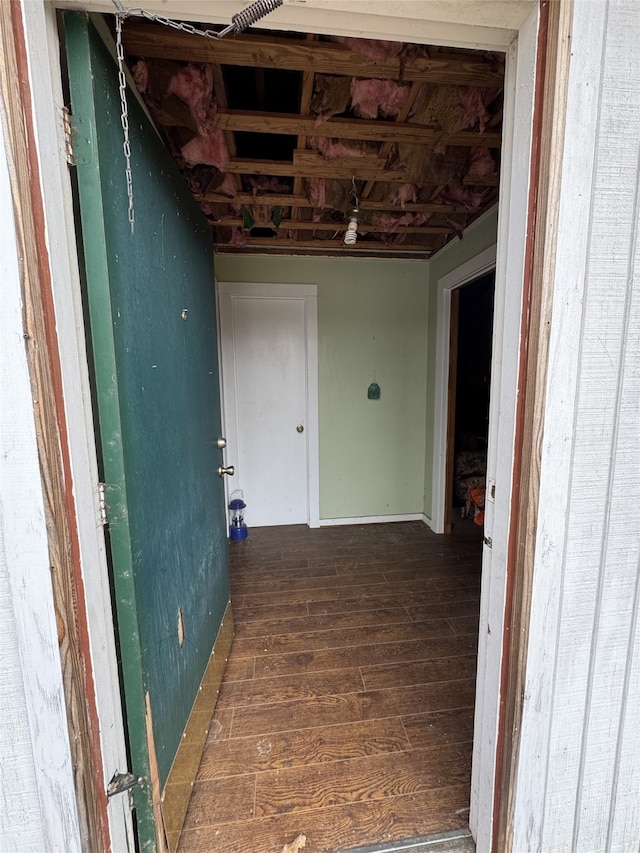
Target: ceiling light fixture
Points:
(351, 234)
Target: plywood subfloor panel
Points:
(346, 712)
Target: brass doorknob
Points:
(229, 471)
(299, 428)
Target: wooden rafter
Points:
(220, 92)
(310, 164)
(308, 225)
(402, 116)
(283, 200)
(363, 130)
(141, 39)
(337, 245)
(448, 86)
(306, 95)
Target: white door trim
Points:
(308, 292)
(474, 32)
(474, 268)
(515, 176)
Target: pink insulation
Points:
(374, 49)
(333, 149)
(264, 184)
(481, 164)
(238, 237)
(389, 222)
(210, 148)
(370, 98)
(194, 86)
(458, 227)
(331, 95)
(404, 193)
(473, 109)
(140, 72)
(317, 191)
(229, 186)
(463, 196)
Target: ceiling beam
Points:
(306, 97)
(283, 200)
(364, 130)
(363, 228)
(372, 248)
(400, 119)
(142, 39)
(310, 164)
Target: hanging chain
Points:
(120, 16)
(124, 119)
(167, 22)
(239, 23)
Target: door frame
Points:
(59, 237)
(474, 268)
(308, 292)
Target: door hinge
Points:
(68, 136)
(488, 541)
(121, 782)
(102, 505)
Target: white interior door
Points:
(269, 376)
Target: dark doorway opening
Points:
(469, 386)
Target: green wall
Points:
(476, 239)
(376, 457)
(372, 452)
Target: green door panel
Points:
(153, 329)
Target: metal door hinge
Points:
(68, 136)
(488, 541)
(121, 782)
(102, 505)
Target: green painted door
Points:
(151, 304)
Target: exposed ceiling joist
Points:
(279, 200)
(308, 225)
(153, 42)
(417, 249)
(274, 133)
(364, 130)
(310, 164)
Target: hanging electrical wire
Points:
(351, 234)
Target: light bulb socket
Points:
(351, 234)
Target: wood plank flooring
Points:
(346, 712)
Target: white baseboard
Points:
(427, 520)
(371, 519)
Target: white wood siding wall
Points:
(578, 785)
(37, 803)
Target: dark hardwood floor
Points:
(346, 712)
